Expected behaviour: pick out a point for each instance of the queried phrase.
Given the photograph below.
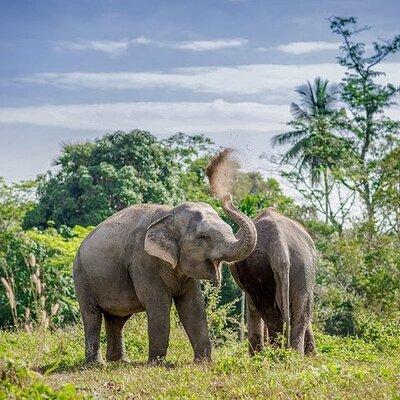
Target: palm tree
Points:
(313, 145)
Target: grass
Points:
(345, 368)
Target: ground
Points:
(345, 368)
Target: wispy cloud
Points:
(217, 116)
(159, 117)
(307, 47)
(238, 80)
(205, 45)
(112, 48)
(274, 82)
(116, 48)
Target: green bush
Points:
(357, 278)
(44, 256)
(17, 382)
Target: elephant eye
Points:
(202, 237)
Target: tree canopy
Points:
(96, 179)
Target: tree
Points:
(15, 202)
(372, 133)
(315, 148)
(387, 196)
(96, 179)
(193, 153)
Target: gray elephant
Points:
(143, 258)
(278, 279)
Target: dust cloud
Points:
(222, 172)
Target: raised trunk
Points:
(244, 246)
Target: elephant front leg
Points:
(191, 310)
(158, 323)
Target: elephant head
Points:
(195, 239)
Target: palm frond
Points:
(298, 112)
(318, 97)
(296, 149)
(287, 137)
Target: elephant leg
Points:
(281, 274)
(255, 328)
(309, 342)
(297, 336)
(115, 341)
(92, 325)
(191, 310)
(92, 316)
(274, 326)
(301, 316)
(158, 324)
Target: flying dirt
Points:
(222, 173)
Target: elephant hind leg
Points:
(309, 342)
(301, 316)
(92, 325)
(274, 326)
(255, 328)
(281, 274)
(115, 340)
(92, 318)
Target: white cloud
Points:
(206, 45)
(272, 81)
(159, 117)
(142, 40)
(242, 80)
(307, 47)
(116, 48)
(112, 48)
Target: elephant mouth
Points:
(216, 276)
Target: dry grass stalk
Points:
(11, 299)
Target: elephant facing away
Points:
(143, 258)
(278, 280)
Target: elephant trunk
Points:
(242, 247)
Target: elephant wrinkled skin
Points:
(278, 279)
(143, 258)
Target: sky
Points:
(75, 70)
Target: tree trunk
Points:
(326, 194)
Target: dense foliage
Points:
(96, 179)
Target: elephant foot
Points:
(309, 351)
(203, 360)
(95, 362)
(154, 361)
(121, 359)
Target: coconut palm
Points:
(314, 147)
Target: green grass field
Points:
(345, 368)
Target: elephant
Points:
(278, 279)
(146, 256)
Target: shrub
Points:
(354, 275)
(18, 382)
(39, 286)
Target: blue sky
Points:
(73, 70)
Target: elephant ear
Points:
(160, 241)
